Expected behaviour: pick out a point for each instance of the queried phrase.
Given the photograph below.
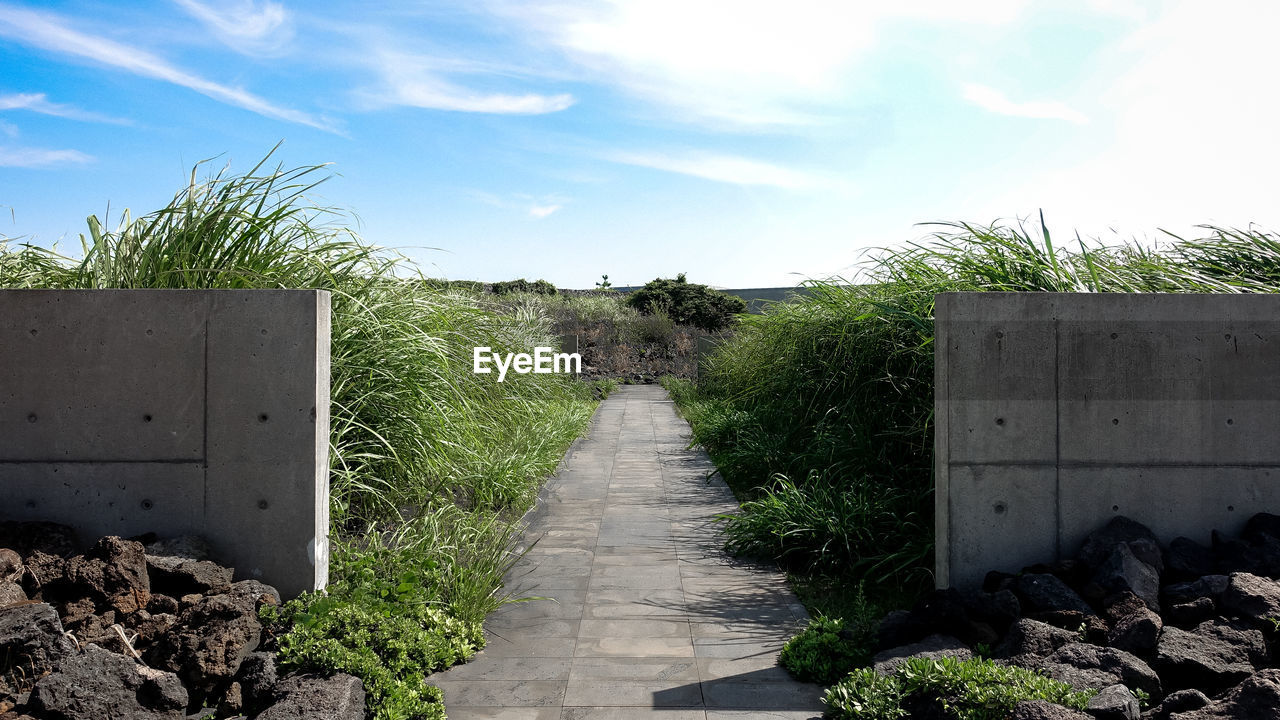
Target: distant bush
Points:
(541, 287)
(440, 284)
(687, 303)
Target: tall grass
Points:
(430, 462)
(820, 411)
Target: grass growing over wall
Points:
(819, 412)
(430, 462)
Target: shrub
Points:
(821, 653)
(688, 303)
(541, 287)
(655, 328)
(975, 689)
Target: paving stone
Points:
(647, 617)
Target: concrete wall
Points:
(172, 411)
(1055, 412)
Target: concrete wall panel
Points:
(989, 504)
(101, 376)
(1164, 408)
(173, 411)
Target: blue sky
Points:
(744, 143)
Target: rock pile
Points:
(141, 629)
(1195, 629)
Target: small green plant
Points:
(604, 387)
(604, 283)
(821, 653)
(1144, 697)
(654, 328)
(976, 689)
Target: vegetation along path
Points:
(645, 615)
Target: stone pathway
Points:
(646, 617)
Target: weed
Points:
(823, 652)
(976, 689)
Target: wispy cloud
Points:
(535, 207)
(721, 168)
(48, 32)
(8, 129)
(39, 103)
(747, 65)
(28, 157)
(246, 26)
(995, 101)
(414, 81)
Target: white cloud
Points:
(721, 168)
(8, 129)
(746, 65)
(39, 103)
(244, 25)
(995, 101)
(1191, 130)
(541, 211)
(416, 81)
(27, 157)
(44, 31)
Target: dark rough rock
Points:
(1176, 702)
(1042, 710)
(209, 641)
(1251, 596)
(934, 646)
(191, 547)
(31, 637)
(162, 604)
(1083, 666)
(1214, 656)
(1101, 543)
(1189, 615)
(232, 700)
(1207, 586)
(1032, 637)
(1124, 571)
(30, 537)
(258, 677)
(1135, 627)
(897, 628)
(1232, 555)
(150, 627)
(11, 566)
(305, 697)
(997, 609)
(1114, 702)
(260, 592)
(995, 581)
(99, 684)
(945, 612)
(1260, 527)
(1187, 559)
(114, 573)
(42, 569)
(1094, 628)
(1047, 592)
(11, 593)
(181, 576)
(1256, 698)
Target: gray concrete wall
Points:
(1055, 412)
(172, 411)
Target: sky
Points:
(744, 143)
